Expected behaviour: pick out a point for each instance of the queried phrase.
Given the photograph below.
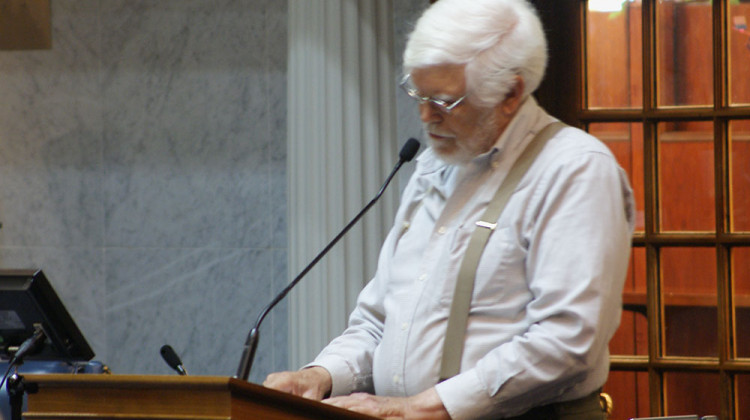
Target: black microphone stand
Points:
(17, 388)
(251, 344)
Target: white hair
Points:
(495, 39)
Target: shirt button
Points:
(396, 379)
(405, 226)
(404, 326)
(423, 277)
(441, 230)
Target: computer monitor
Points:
(28, 301)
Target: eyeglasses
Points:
(440, 104)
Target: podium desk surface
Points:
(68, 396)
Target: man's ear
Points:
(512, 101)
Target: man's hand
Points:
(313, 383)
(424, 406)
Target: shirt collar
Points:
(515, 133)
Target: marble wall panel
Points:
(142, 166)
(50, 139)
(193, 299)
(187, 124)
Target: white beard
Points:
(480, 141)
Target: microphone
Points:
(29, 346)
(172, 359)
(407, 153)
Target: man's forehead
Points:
(441, 78)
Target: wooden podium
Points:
(67, 396)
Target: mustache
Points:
(431, 128)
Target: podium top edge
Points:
(125, 381)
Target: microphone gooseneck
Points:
(407, 153)
(29, 346)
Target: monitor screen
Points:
(27, 300)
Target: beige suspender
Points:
(453, 345)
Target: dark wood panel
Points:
(739, 54)
(740, 178)
(629, 392)
(692, 393)
(686, 183)
(560, 91)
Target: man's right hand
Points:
(313, 383)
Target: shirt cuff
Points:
(464, 396)
(342, 378)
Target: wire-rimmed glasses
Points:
(444, 105)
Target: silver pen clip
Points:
(487, 225)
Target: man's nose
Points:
(429, 113)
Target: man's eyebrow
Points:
(446, 97)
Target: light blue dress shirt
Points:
(547, 295)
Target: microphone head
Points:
(409, 150)
(170, 356)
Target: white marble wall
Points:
(142, 166)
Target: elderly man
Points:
(546, 292)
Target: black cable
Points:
(7, 372)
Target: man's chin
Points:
(445, 149)
(450, 156)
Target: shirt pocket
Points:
(500, 274)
